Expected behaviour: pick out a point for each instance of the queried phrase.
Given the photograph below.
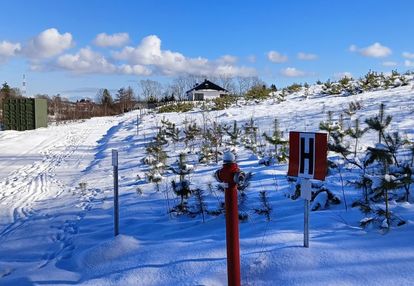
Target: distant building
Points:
(206, 90)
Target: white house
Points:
(206, 90)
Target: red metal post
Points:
(226, 175)
(232, 237)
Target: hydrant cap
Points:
(228, 157)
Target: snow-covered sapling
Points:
(279, 144)
(191, 132)
(356, 133)
(156, 157)
(250, 135)
(182, 187)
(379, 123)
(265, 209)
(233, 132)
(200, 205)
(386, 183)
(328, 125)
(170, 130)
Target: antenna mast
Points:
(24, 88)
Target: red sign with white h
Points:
(307, 155)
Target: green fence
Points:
(24, 113)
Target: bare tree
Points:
(226, 82)
(129, 98)
(243, 84)
(178, 87)
(150, 89)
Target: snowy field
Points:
(55, 232)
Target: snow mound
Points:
(108, 251)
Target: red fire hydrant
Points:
(229, 175)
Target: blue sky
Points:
(56, 43)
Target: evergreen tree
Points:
(406, 178)
(364, 182)
(206, 154)
(156, 157)
(379, 123)
(371, 81)
(353, 107)
(214, 136)
(5, 90)
(328, 125)
(233, 133)
(106, 100)
(259, 92)
(182, 187)
(387, 183)
(250, 135)
(171, 130)
(265, 209)
(356, 133)
(200, 206)
(191, 132)
(277, 140)
(394, 142)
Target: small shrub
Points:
(176, 107)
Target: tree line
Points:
(107, 102)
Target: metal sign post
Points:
(137, 124)
(306, 194)
(307, 160)
(116, 208)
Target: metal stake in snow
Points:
(230, 175)
(116, 209)
(307, 160)
(306, 194)
(138, 124)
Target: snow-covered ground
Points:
(56, 223)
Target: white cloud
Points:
(227, 59)
(89, 61)
(409, 64)
(114, 40)
(46, 52)
(389, 64)
(376, 50)
(408, 55)
(340, 75)
(232, 71)
(307, 57)
(8, 50)
(293, 72)
(47, 44)
(276, 57)
(85, 61)
(134, 69)
(149, 53)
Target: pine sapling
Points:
(277, 140)
(250, 135)
(265, 209)
(356, 133)
(233, 133)
(182, 187)
(200, 202)
(379, 123)
(191, 132)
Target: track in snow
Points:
(35, 202)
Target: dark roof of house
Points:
(206, 84)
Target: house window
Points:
(198, 96)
